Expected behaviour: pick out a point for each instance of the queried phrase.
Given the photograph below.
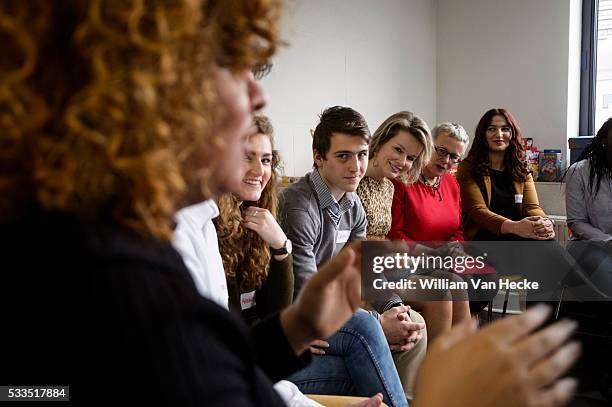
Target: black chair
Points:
(586, 297)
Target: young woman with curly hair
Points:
(498, 195)
(259, 282)
(112, 115)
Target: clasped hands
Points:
(401, 332)
(542, 227)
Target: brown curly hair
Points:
(246, 256)
(104, 104)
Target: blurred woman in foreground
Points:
(112, 116)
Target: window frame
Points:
(588, 68)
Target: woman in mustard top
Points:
(497, 191)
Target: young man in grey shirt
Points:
(321, 213)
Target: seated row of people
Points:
(260, 261)
(259, 268)
(401, 188)
(399, 184)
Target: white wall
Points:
(519, 54)
(447, 60)
(377, 56)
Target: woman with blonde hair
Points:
(400, 147)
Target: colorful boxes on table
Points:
(550, 166)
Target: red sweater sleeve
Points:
(398, 213)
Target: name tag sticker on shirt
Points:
(247, 300)
(343, 236)
(518, 198)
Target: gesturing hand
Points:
(326, 302)
(515, 363)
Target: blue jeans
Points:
(358, 362)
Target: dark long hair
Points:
(513, 156)
(596, 153)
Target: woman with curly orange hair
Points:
(112, 115)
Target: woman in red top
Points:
(429, 210)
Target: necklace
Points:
(433, 184)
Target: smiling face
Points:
(240, 96)
(256, 170)
(498, 134)
(345, 163)
(446, 154)
(398, 154)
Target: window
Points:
(603, 84)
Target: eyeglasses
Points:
(443, 153)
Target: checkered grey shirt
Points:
(304, 215)
(327, 201)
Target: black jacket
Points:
(117, 317)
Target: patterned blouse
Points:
(377, 198)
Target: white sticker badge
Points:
(247, 300)
(343, 236)
(518, 198)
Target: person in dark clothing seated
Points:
(112, 116)
(587, 198)
(500, 204)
